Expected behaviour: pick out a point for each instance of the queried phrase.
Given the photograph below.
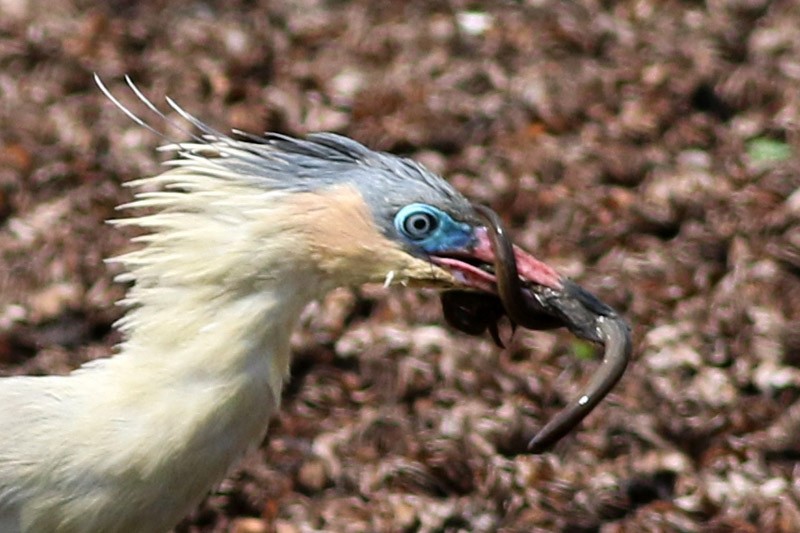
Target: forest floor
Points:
(648, 149)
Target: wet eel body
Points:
(537, 307)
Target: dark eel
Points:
(537, 307)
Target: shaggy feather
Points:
(240, 237)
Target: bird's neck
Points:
(205, 354)
(216, 294)
(193, 387)
(213, 338)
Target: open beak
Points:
(479, 303)
(474, 267)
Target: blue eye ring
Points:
(417, 221)
(431, 230)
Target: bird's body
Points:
(240, 236)
(194, 384)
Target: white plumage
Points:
(230, 259)
(240, 234)
(138, 439)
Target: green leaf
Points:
(764, 150)
(582, 350)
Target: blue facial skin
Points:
(433, 230)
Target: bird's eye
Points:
(417, 221)
(419, 225)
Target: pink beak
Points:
(529, 268)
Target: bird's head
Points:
(362, 216)
(326, 203)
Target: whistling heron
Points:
(242, 233)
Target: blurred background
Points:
(648, 149)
